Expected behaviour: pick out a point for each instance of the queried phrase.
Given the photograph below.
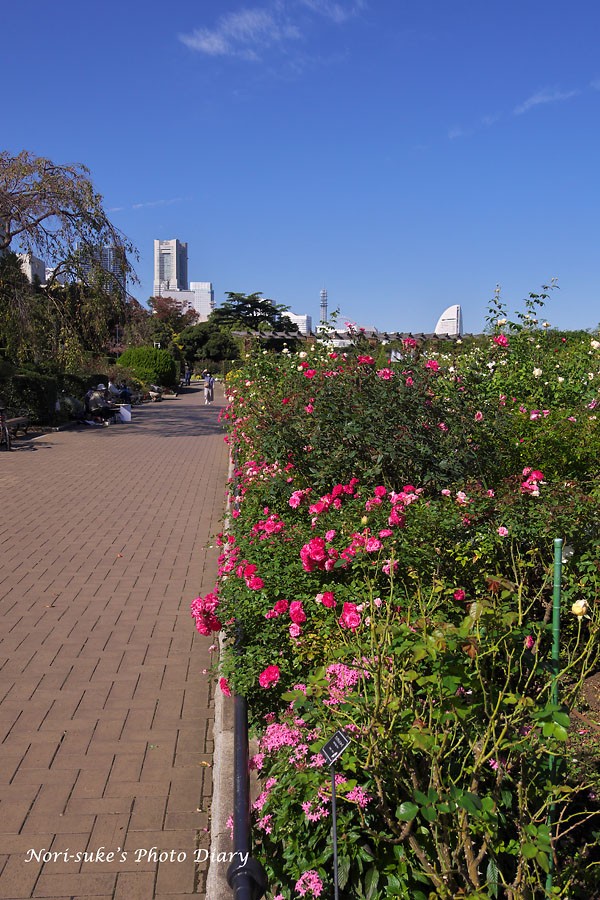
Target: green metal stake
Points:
(558, 560)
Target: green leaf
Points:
(407, 811)
(491, 876)
(371, 882)
(542, 860)
(562, 718)
(343, 871)
(470, 802)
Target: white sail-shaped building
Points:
(450, 321)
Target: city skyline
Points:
(406, 157)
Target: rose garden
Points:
(387, 571)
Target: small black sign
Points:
(334, 748)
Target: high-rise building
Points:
(200, 298)
(303, 322)
(170, 266)
(109, 259)
(450, 321)
(33, 267)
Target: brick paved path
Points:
(105, 715)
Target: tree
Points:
(205, 343)
(172, 313)
(55, 212)
(22, 310)
(252, 312)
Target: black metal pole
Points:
(336, 892)
(241, 777)
(245, 876)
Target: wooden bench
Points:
(16, 424)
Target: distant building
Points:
(200, 298)
(33, 267)
(204, 298)
(450, 321)
(304, 323)
(170, 267)
(49, 275)
(110, 259)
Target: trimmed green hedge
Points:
(150, 365)
(31, 394)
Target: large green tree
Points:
(252, 312)
(206, 342)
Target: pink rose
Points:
(269, 676)
(459, 594)
(350, 617)
(326, 598)
(373, 545)
(297, 614)
(255, 583)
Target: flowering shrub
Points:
(388, 572)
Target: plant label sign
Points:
(334, 747)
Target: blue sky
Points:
(404, 155)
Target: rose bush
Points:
(388, 570)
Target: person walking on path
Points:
(209, 388)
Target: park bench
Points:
(16, 424)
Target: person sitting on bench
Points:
(98, 406)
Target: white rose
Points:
(537, 373)
(579, 608)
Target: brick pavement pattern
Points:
(105, 713)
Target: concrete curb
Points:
(217, 887)
(222, 800)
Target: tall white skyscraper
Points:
(170, 266)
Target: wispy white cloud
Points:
(490, 119)
(541, 97)
(546, 95)
(246, 34)
(457, 132)
(337, 10)
(147, 203)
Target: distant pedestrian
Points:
(188, 376)
(209, 388)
